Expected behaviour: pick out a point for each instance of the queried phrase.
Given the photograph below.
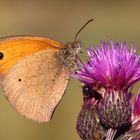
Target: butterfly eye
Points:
(1, 55)
(89, 93)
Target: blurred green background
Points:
(60, 20)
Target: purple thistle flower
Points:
(136, 111)
(111, 70)
(88, 124)
(134, 131)
(111, 65)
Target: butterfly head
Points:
(69, 55)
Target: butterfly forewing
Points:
(35, 84)
(16, 48)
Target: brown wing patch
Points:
(15, 48)
(35, 85)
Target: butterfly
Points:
(34, 73)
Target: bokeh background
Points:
(60, 20)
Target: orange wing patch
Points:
(15, 48)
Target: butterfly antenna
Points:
(82, 28)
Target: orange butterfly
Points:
(34, 73)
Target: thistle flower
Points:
(88, 124)
(134, 132)
(112, 69)
(136, 111)
(111, 65)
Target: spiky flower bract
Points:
(111, 71)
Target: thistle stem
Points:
(110, 134)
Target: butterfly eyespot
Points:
(19, 80)
(1, 55)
